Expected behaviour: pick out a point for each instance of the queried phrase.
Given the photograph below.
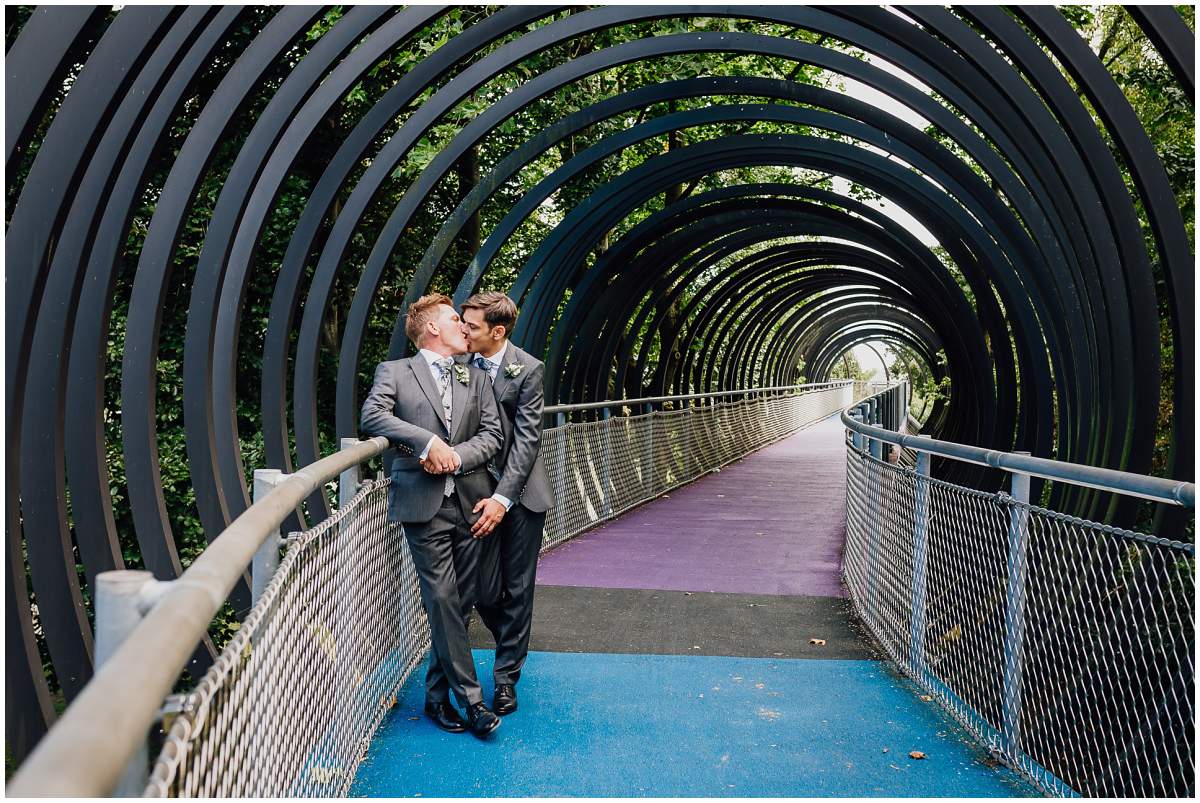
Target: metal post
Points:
(349, 598)
(649, 475)
(606, 466)
(856, 437)
(559, 476)
(119, 609)
(876, 507)
(348, 480)
(266, 559)
(920, 564)
(1014, 613)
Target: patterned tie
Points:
(485, 364)
(444, 365)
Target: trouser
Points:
(510, 618)
(446, 558)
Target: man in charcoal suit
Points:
(517, 508)
(442, 418)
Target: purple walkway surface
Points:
(772, 523)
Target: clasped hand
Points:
(441, 459)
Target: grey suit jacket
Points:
(521, 472)
(405, 406)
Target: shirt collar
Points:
(497, 358)
(431, 357)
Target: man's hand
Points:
(493, 512)
(441, 458)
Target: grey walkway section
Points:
(576, 619)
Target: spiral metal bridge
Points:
(200, 277)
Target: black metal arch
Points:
(1059, 284)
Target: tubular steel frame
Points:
(1053, 348)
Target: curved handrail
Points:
(85, 752)
(1158, 489)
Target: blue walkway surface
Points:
(643, 685)
(602, 725)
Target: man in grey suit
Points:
(442, 418)
(523, 493)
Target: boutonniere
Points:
(460, 373)
(513, 369)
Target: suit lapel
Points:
(425, 379)
(501, 381)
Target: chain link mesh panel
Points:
(291, 703)
(1065, 645)
(600, 469)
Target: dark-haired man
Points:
(517, 508)
(442, 418)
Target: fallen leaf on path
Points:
(820, 642)
(927, 698)
(916, 754)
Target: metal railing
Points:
(289, 706)
(1064, 645)
(603, 468)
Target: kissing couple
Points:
(469, 486)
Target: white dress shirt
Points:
(496, 360)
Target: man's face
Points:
(451, 329)
(480, 337)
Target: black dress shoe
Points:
(505, 699)
(446, 717)
(481, 720)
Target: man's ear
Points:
(501, 329)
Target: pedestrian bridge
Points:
(760, 593)
(218, 216)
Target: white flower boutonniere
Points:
(513, 369)
(461, 374)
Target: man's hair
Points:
(421, 312)
(498, 309)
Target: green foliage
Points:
(848, 367)
(1151, 89)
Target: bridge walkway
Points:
(673, 654)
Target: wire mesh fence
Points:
(290, 705)
(603, 468)
(1065, 645)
